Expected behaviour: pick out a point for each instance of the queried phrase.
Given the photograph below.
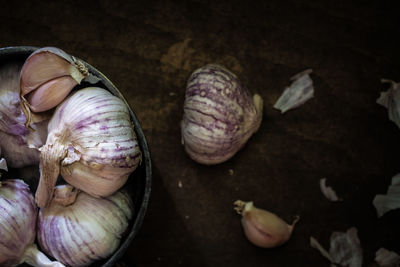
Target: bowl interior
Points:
(139, 182)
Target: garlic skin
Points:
(263, 228)
(3, 164)
(300, 91)
(47, 77)
(90, 229)
(220, 115)
(19, 144)
(18, 226)
(91, 142)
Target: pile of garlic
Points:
(83, 134)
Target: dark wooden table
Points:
(148, 50)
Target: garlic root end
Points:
(65, 195)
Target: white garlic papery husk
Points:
(91, 142)
(390, 100)
(390, 201)
(299, 92)
(90, 229)
(48, 76)
(327, 191)
(220, 115)
(3, 163)
(387, 258)
(263, 228)
(345, 248)
(19, 144)
(18, 226)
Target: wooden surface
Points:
(148, 50)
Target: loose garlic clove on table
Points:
(263, 228)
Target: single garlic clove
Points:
(261, 227)
(46, 64)
(50, 94)
(43, 66)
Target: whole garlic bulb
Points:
(219, 116)
(91, 141)
(88, 230)
(18, 142)
(18, 226)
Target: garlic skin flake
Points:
(90, 229)
(299, 92)
(390, 100)
(345, 249)
(91, 142)
(390, 201)
(3, 163)
(220, 115)
(263, 228)
(386, 258)
(327, 191)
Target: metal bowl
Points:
(139, 182)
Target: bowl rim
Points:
(25, 51)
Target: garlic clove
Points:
(263, 228)
(50, 94)
(43, 66)
(46, 64)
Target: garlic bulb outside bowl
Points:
(139, 185)
(220, 115)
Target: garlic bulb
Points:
(47, 77)
(219, 115)
(90, 229)
(17, 141)
(261, 227)
(91, 141)
(18, 226)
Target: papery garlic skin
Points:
(88, 230)
(18, 214)
(220, 115)
(19, 143)
(299, 92)
(263, 228)
(91, 141)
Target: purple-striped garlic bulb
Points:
(91, 142)
(19, 144)
(219, 116)
(90, 229)
(18, 226)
